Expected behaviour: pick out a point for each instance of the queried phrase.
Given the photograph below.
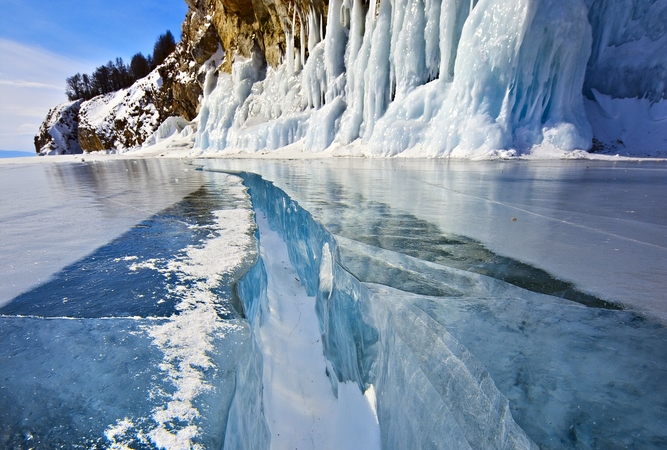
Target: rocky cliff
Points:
(222, 28)
(58, 134)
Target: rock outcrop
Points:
(126, 118)
(58, 134)
(261, 24)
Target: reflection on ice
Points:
(599, 226)
(54, 214)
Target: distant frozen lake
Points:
(547, 278)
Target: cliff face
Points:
(125, 119)
(261, 24)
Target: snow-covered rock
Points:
(126, 118)
(122, 119)
(58, 134)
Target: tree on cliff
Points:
(140, 66)
(108, 78)
(114, 76)
(164, 45)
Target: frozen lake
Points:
(601, 226)
(537, 286)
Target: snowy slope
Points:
(122, 119)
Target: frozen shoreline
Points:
(295, 152)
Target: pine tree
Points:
(164, 45)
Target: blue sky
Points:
(44, 42)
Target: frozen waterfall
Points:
(459, 78)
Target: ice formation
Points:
(431, 78)
(431, 392)
(628, 58)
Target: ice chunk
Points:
(171, 126)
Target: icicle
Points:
(293, 20)
(432, 38)
(289, 44)
(335, 42)
(312, 30)
(356, 33)
(408, 53)
(362, 31)
(302, 42)
(376, 75)
(345, 13)
(453, 16)
(373, 9)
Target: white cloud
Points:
(33, 84)
(32, 81)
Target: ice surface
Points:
(52, 215)
(477, 305)
(445, 78)
(580, 221)
(105, 355)
(424, 392)
(295, 386)
(574, 375)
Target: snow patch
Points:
(187, 338)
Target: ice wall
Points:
(431, 391)
(629, 51)
(431, 78)
(516, 90)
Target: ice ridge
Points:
(431, 392)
